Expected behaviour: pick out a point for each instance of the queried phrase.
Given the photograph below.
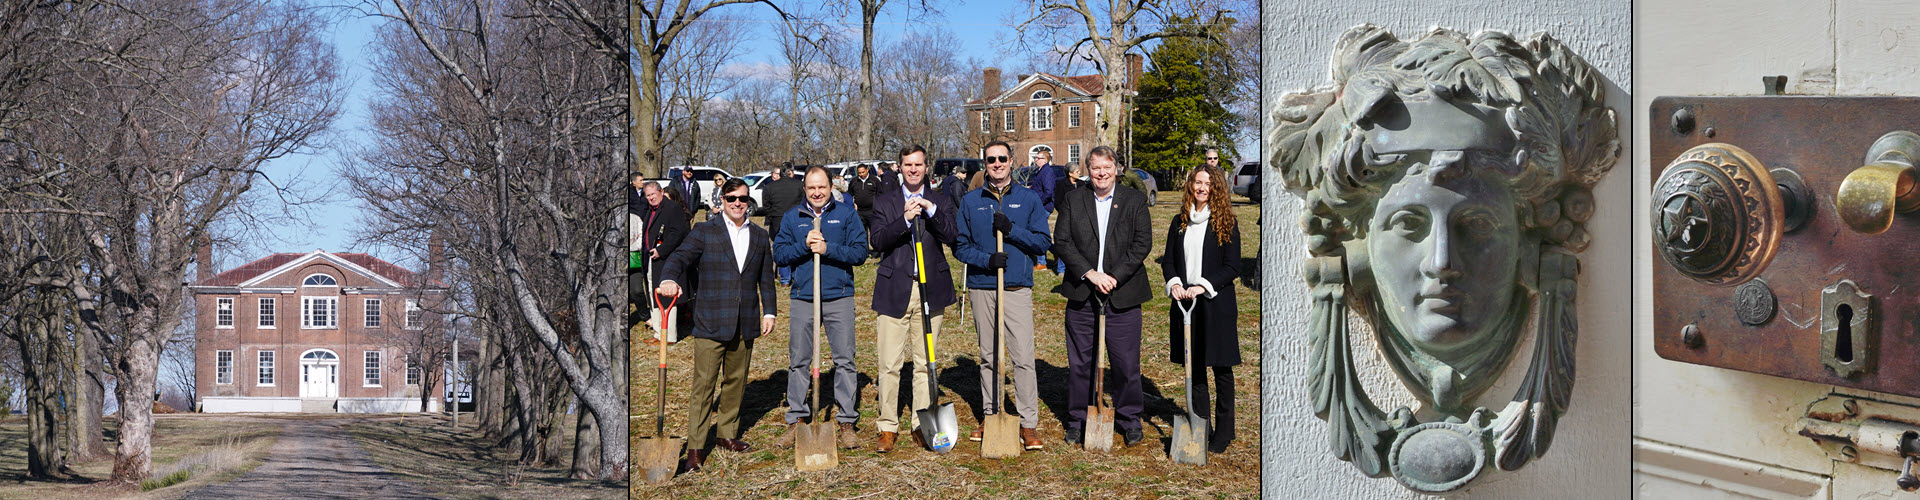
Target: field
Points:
(1060, 470)
(175, 437)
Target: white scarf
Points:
(1191, 242)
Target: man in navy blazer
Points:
(901, 213)
(1103, 235)
(729, 264)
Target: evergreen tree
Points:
(1183, 106)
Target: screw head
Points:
(1708, 132)
(1682, 121)
(1851, 406)
(1690, 335)
(1851, 454)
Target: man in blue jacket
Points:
(833, 231)
(1002, 206)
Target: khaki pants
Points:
(1018, 339)
(903, 339)
(724, 363)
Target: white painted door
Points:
(1704, 432)
(319, 374)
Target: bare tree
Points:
(655, 30)
(692, 77)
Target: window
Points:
(319, 312)
(1098, 113)
(1006, 120)
(414, 314)
(1040, 94)
(265, 367)
(1073, 117)
(223, 367)
(223, 312)
(413, 371)
(373, 369)
(1073, 154)
(373, 313)
(1040, 118)
(986, 122)
(318, 279)
(267, 315)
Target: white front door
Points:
(319, 374)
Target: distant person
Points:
(1201, 260)
(636, 199)
(954, 185)
(780, 193)
(899, 214)
(833, 231)
(1104, 234)
(1044, 179)
(1213, 158)
(689, 191)
(1006, 208)
(864, 185)
(890, 174)
(664, 225)
(727, 262)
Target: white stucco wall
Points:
(1690, 419)
(1590, 453)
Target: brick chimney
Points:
(1134, 62)
(990, 80)
(436, 254)
(203, 259)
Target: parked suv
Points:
(1246, 181)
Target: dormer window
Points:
(319, 279)
(1040, 94)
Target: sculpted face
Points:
(1444, 245)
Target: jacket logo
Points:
(835, 221)
(1015, 205)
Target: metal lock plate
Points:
(1783, 333)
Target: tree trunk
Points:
(139, 369)
(44, 460)
(88, 394)
(869, 9)
(585, 444)
(646, 111)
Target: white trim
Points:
(1034, 116)
(259, 313)
(1035, 96)
(272, 364)
(322, 255)
(1006, 117)
(377, 370)
(333, 315)
(1060, 83)
(1073, 116)
(329, 277)
(217, 368)
(231, 316)
(368, 317)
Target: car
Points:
(944, 166)
(1246, 181)
(758, 205)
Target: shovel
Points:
(938, 426)
(815, 447)
(1099, 426)
(659, 455)
(1190, 430)
(1000, 437)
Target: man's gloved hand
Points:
(1001, 223)
(997, 261)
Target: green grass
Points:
(1140, 471)
(176, 477)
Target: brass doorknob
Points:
(1870, 195)
(1718, 213)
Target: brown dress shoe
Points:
(975, 436)
(733, 445)
(786, 440)
(886, 441)
(919, 440)
(695, 458)
(849, 438)
(1031, 437)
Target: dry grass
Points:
(449, 462)
(1142, 471)
(217, 450)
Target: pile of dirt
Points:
(160, 408)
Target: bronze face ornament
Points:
(1447, 182)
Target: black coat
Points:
(635, 202)
(1216, 325)
(863, 191)
(666, 229)
(780, 196)
(691, 190)
(729, 302)
(1129, 240)
(890, 235)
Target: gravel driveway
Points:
(314, 459)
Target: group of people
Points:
(1000, 230)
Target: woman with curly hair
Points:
(1201, 260)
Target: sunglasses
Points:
(997, 159)
(737, 199)
(1213, 158)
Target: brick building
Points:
(315, 332)
(1042, 112)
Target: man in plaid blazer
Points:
(728, 263)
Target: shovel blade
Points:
(1099, 429)
(659, 458)
(815, 447)
(939, 428)
(1189, 439)
(1001, 436)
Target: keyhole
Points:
(1843, 346)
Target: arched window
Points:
(319, 279)
(320, 355)
(1040, 94)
